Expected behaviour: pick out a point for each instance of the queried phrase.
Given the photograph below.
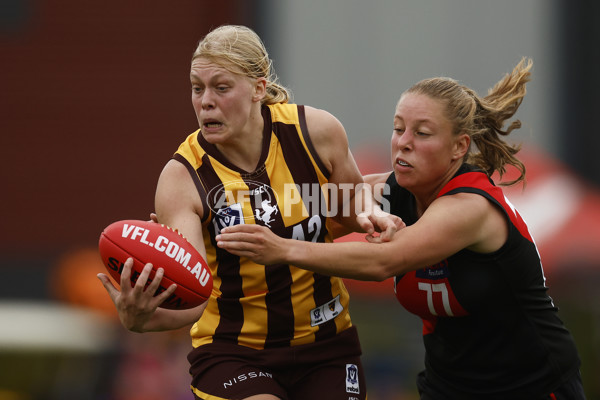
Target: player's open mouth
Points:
(403, 163)
(211, 123)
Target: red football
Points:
(149, 242)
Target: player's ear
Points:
(461, 146)
(260, 89)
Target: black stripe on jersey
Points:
(300, 166)
(322, 295)
(309, 144)
(197, 183)
(280, 310)
(229, 328)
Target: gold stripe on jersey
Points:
(253, 281)
(242, 308)
(292, 212)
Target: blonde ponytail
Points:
(483, 118)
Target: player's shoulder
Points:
(176, 189)
(190, 149)
(324, 128)
(376, 179)
(174, 169)
(319, 116)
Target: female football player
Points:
(465, 263)
(265, 333)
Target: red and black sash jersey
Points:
(490, 329)
(254, 305)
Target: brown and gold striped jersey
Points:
(277, 305)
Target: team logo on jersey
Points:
(265, 212)
(249, 194)
(352, 385)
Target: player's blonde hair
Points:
(241, 51)
(482, 118)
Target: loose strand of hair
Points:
(500, 104)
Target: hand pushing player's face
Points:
(225, 103)
(424, 149)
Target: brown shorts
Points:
(328, 369)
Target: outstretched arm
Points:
(450, 224)
(177, 205)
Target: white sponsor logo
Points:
(326, 312)
(244, 377)
(171, 249)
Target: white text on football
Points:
(171, 249)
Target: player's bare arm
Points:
(451, 223)
(177, 207)
(331, 143)
(376, 181)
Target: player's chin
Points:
(216, 137)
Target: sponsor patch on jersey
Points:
(326, 312)
(434, 272)
(352, 385)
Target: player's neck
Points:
(246, 151)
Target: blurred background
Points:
(95, 99)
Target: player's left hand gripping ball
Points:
(149, 242)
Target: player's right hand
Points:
(136, 304)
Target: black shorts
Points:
(328, 369)
(572, 389)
